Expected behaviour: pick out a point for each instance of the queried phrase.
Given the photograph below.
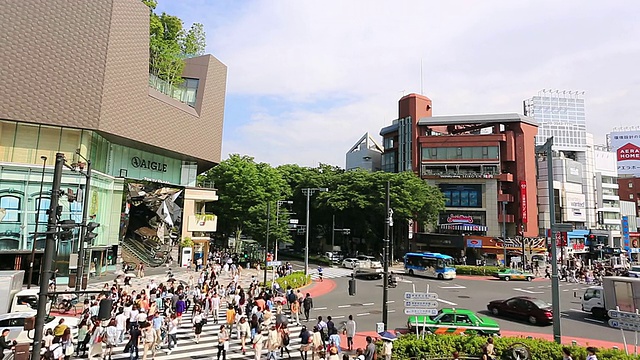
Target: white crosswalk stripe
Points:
(207, 347)
(331, 273)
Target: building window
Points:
(11, 205)
(44, 206)
(461, 153)
(630, 185)
(462, 195)
(76, 211)
(630, 196)
(387, 143)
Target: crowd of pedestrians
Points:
(146, 320)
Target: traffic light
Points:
(89, 236)
(66, 229)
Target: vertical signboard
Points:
(625, 232)
(523, 201)
(626, 144)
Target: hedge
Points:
(477, 270)
(412, 347)
(295, 280)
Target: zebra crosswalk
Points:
(207, 347)
(331, 273)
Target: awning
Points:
(463, 227)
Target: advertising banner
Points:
(573, 171)
(626, 144)
(523, 201)
(575, 207)
(467, 217)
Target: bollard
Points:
(616, 348)
(574, 343)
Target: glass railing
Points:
(180, 93)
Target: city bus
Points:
(433, 265)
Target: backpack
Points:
(285, 339)
(291, 297)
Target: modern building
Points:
(484, 164)
(629, 190)
(625, 142)
(365, 154)
(76, 80)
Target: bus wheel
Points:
(440, 277)
(411, 272)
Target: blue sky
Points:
(306, 79)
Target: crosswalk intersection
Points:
(207, 347)
(331, 273)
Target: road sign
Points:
(428, 312)
(274, 263)
(624, 325)
(624, 316)
(420, 296)
(421, 303)
(293, 221)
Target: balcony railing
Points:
(180, 93)
(460, 173)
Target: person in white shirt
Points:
(142, 316)
(351, 332)
(215, 306)
(133, 317)
(94, 309)
(121, 325)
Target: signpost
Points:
(624, 320)
(274, 263)
(420, 303)
(428, 312)
(420, 296)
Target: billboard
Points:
(575, 207)
(626, 145)
(573, 171)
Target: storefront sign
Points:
(470, 217)
(573, 171)
(460, 219)
(523, 201)
(575, 208)
(474, 243)
(625, 231)
(561, 238)
(137, 162)
(578, 246)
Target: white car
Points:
(375, 264)
(634, 271)
(350, 263)
(15, 323)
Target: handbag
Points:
(225, 346)
(69, 350)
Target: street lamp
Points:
(278, 204)
(504, 231)
(308, 192)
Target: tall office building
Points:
(559, 114)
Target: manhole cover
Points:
(464, 296)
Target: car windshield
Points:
(540, 303)
(635, 268)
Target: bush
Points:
(476, 270)
(409, 346)
(295, 280)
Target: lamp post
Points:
(555, 292)
(266, 247)
(278, 204)
(308, 192)
(388, 222)
(35, 231)
(85, 209)
(504, 231)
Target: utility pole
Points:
(308, 192)
(35, 230)
(50, 246)
(333, 234)
(266, 248)
(278, 204)
(385, 286)
(81, 237)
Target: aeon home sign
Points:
(138, 162)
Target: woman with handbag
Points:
(198, 323)
(317, 343)
(67, 344)
(258, 345)
(305, 342)
(223, 342)
(244, 332)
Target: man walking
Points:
(351, 332)
(307, 305)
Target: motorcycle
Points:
(392, 283)
(67, 302)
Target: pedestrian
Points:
(121, 325)
(307, 304)
(285, 339)
(387, 347)
(231, 317)
(295, 310)
(149, 339)
(360, 354)
(198, 323)
(223, 342)
(566, 354)
(333, 353)
(111, 338)
(244, 332)
(140, 270)
(351, 332)
(317, 343)
(172, 333)
(134, 341)
(273, 343)
(320, 273)
(215, 307)
(258, 345)
(334, 338)
(455, 355)
(370, 350)
(490, 348)
(591, 353)
(305, 341)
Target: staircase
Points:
(135, 251)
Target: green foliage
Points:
(477, 270)
(408, 346)
(295, 280)
(186, 242)
(170, 44)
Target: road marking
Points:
(454, 286)
(321, 308)
(529, 291)
(565, 290)
(338, 317)
(363, 314)
(594, 320)
(392, 310)
(367, 304)
(391, 301)
(540, 287)
(447, 302)
(344, 306)
(530, 287)
(578, 310)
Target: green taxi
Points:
(454, 321)
(514, 274)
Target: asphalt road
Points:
(366, 306)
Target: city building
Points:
(625, 142)
(365, 154)
(76, 81)
(484, 164)
(629, 190)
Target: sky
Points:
(306, 79)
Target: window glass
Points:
(26, 144)
(446, 318)
(11, 204)
(477, 152)
(44, 206)
(455, 198)
(7, 134)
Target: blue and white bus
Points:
(433, 265)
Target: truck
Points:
(616, 292)
(18, 299)
(368, 269)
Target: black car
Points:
(533, 310)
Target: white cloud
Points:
(478, 57)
